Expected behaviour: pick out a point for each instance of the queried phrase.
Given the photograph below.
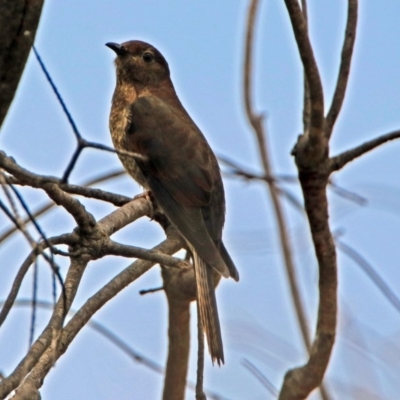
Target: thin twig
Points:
(153, 290)
(57, 93)
(81, 142)
(260, 377)
(339, 161)
(371, 272)
(33, 302)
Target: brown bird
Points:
(178, 167)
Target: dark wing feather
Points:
(178, 171)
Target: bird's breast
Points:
(119, 122)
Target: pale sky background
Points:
(203, 43)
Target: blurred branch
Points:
(339, 161)
(344, 70)
(19, 20)
(256, 123)
(347, 194)
(371, 273)
(260, 377)
(240, 171)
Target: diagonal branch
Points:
(98, 300)
(344, 70)
(62, 239)
(93, 193)
(338, 162)
(84, 220)
(117, 249)
(48, 341)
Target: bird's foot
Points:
(147, 195)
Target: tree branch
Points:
(19, 20)
(62, 239)
(83, 190)
(48, 341)
(84, 220)
(344, 70)
(312, 140)
(178, 339)
(118, 249)
(299, 382)
(338, 162)
(111, 289)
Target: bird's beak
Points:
(119, 49)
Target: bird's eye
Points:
(148, 57)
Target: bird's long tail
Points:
(207, 306)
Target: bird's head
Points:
(139, 63)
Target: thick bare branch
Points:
(118, 249)
(178, 342)
(135, 209)
(344, 70)
(299, 382)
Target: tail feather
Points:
(207, 306)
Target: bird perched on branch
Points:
(177, 165)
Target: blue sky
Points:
(203, 43)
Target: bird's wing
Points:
(178, 170)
